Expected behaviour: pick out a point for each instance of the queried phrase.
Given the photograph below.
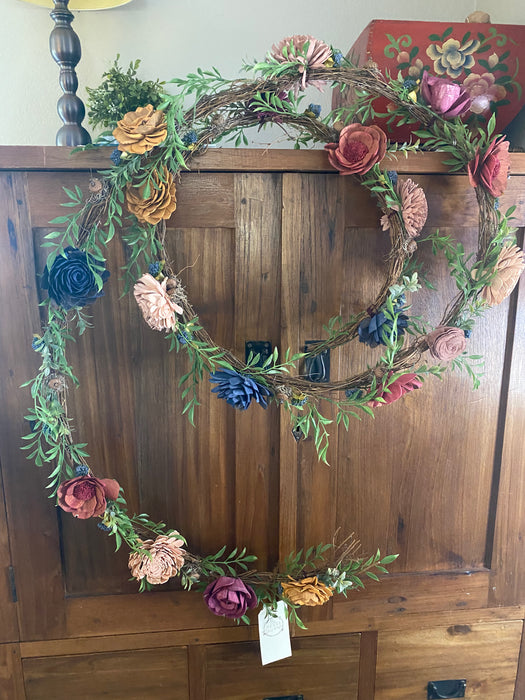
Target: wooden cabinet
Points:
(269, 246)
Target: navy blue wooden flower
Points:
(70, 282)
(239, 390)
(377, 329)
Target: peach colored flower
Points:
(483, 90)
(159, 560)
(141, 130)
(508, 268)
(446, 342)
(414, 208)
(160, 203)
(308, 591)
(157, 307)
(491, 169)
(360, 147)
(292, 49)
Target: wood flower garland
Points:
(139, 195)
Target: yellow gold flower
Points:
(141, 130)
(308, 591)
(160, 203)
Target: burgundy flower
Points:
(359, 149)
(491, 169)
(445, 97)
(446, 342)
(85, 496)
(398, 388)
(229, 597)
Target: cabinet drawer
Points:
(161, 674)
(485, 654)
(320, 668)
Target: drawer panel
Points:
(320, 668)
(486, 654)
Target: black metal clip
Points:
(317, 367)
(285, 697)
(263, 348)
(446, 689)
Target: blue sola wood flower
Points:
(375, 330)
(239, 390)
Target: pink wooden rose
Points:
(446, 343)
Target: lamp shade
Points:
(83, 4)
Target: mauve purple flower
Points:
(443, 96)
(229, 597)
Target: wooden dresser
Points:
(270, 245)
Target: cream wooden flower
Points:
(157, 307)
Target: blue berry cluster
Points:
(154, 268)
(338, 58)
(189, 138)
(115, 156)
(314, 109)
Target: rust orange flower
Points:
(85, 496)
(359, 149)
(159, 560)
(308, 591)
(141, 130)
(508, 268)
(156, 204)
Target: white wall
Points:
(173, 37)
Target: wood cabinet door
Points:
(263, 256)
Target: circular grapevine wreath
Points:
(138, 195)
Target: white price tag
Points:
(274, 634)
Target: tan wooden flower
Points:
(308, 591)
(160, 203)
(157, 306)
(508, 268)
(158, 560)
(414, 208)
(141, 130)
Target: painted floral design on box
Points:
(480, 62)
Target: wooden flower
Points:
(156, 204)
(308, 591)
(445, 343)
(508, 268)
(414, 207)
(157, 307)
(491, 169)
(141, 130)
(360, 147)
(306, 50)
(158, 560)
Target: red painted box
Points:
(487, 59)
